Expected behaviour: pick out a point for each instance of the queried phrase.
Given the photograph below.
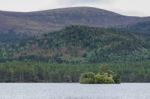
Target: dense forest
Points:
(79, 44)
(62, 56)
(47, 72)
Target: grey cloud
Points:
(86, 1)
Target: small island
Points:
(104, 76)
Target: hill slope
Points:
(83, 44)
(34, 23)
(140, 27)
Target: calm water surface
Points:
(74, 91)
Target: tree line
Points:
(25, 71)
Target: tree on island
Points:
(104, 76)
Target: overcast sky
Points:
(125, 7)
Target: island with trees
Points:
(104, 76)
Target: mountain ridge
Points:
(39, 22)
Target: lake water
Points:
(74, 91)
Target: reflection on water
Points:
(74, 91)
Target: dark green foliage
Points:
(47, 72)
(87, 78)
(117, 78)
(104, 69)
(41, 72)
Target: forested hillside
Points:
(80, 44)
(141, 27)
(58, 45)
(63, 55)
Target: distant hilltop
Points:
(39, 22)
